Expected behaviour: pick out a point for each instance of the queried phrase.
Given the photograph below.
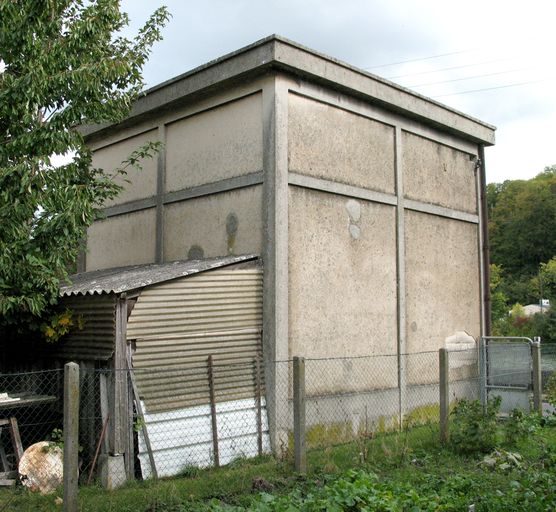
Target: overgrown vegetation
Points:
(473, 427)
(401, 471)
(63, 63)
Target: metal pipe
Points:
(485, 247)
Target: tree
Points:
(522, 226)
(64, 65)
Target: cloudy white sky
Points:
(492, 59)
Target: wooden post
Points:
(16, 440)
(258, 404)
(213, 412)
(444, 386)
(537, 375)
(300, 447)
(71, 436)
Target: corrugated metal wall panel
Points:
(212, 301)
(96, 340)
(177, 325)
(172, 372)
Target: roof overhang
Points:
(125, 279)
(278, 54)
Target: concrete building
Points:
(364, 200)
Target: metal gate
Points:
(506, 371)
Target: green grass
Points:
(411, 465)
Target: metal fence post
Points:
(212, 397)
(444, 387)
(537, 375)
(300, 447)
(71, 435)
(483, 371)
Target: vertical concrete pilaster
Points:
(400, 271)
(160, 189)
(275, 258)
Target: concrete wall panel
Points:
(143, 182)
(442, 286)
(437, 174)
(330, 143)
(216, 225)
(122, 240)
(342, 283)
(216, 144)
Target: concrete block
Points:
(112, 471)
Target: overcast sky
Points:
(453, 48)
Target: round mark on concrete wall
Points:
(413, 326)
(196, 252)
(232, 223)
(354, 210)
(354, 231)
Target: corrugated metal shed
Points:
(123, 279)
(178, 324)
(96, 340)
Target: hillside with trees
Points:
(522, 232)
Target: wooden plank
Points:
(16, 439)
(120, 411)
(213, 412)
(141, 417)
(6, 482)
(3, 457)
(7, 475)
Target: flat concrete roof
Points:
(275, 53)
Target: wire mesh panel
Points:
(349, 397)
(507, 366)
(31, 420)
(464, 375)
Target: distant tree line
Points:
(522, 233)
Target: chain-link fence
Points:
(149, 423)
(31, 419)
(350, 398)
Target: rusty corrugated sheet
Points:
(96, 340)
(178, 324)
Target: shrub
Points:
(474, 428)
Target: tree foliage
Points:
(65, 64)
(522, 231)
(522, 222)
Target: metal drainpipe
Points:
(485, 247)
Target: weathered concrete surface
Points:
(122, 240)
(143, 182)
(278, 53)
(220, 143)
(216, 225)
(437, 174)
(342, 277)
(442, 285)
(330, 143)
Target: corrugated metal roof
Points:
(123, 279)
